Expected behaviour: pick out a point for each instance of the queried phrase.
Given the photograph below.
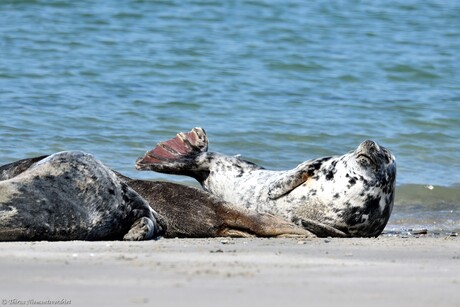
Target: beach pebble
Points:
(420, 232)
(216, 251)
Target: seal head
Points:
(367, 177)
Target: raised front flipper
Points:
(289, 180)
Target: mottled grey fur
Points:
(71, 196)
(351, 194)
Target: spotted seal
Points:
(71, 196)
(348, 195)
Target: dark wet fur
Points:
(191, 212)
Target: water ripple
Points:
(276, 81)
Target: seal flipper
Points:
(177, 155)
(291, 179)
(142, 229)
(239, 220)
(322, 230)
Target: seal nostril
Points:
(369, 144)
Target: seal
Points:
(350, 195)
(71, 196)
(193, 213)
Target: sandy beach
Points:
(387, 271)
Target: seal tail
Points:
(177, 155)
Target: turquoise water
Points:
(278, 82)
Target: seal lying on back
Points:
(71, 196)
(349, 195)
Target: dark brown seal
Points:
(191, 212)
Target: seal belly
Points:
(234, 180)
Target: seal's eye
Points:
(364, 160)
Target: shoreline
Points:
(389, 270)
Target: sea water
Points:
(278, 82)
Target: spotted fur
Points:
(352, 193)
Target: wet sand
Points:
(387, 271)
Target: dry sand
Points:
(387, 271)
